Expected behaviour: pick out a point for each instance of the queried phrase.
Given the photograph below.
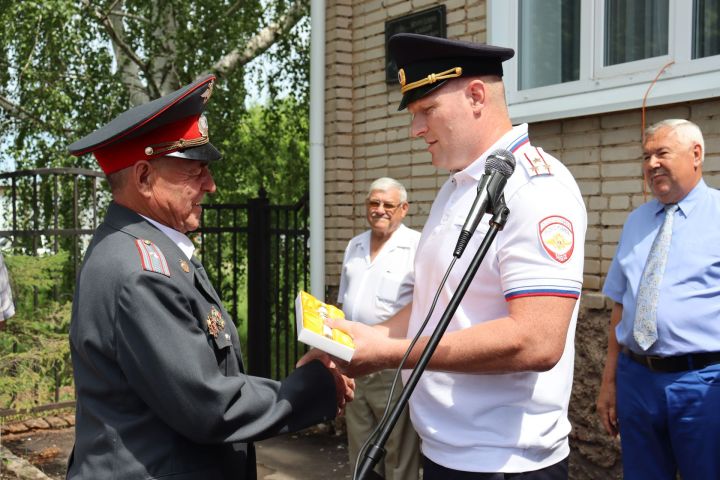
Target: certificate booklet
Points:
(311, 315)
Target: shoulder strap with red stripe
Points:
(151, 258)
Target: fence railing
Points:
(256, 254)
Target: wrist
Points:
(393, 353)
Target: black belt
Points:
(679, 363)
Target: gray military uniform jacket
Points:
(161, 391)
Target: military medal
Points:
(215, 322)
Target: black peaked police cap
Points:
(171, 126)
(425, 63)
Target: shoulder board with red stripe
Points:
(534, 162)
(151, 258)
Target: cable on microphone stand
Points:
(372, 450)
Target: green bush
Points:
(34, 349)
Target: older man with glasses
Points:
(377, 281)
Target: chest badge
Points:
(557, 237)
(215, 322)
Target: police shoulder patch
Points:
(151, 258)
(557, 237)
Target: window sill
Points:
(603, 99)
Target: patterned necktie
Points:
(645, 327)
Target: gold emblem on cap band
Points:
(432, 78)
(182, 143)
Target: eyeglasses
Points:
(387, 206)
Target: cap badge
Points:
(215, 322)
(401, 77)
(203, 125)
(208, 93)
(557, 237)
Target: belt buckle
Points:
(649, 359)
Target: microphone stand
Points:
(375, 451)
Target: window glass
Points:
(635, 30)
(549, 43)
(706, 33)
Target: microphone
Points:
(499, 166)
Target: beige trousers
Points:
(402, 458)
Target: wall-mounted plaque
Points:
(428, 22)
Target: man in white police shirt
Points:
(493, 403)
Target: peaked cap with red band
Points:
(426, 63)
(170, 126)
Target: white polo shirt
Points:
(373, 291)
(514, 422)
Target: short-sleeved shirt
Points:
(371, 291)
(7, 307)
(506, 422)
(688, 312)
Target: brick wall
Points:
(366, 137)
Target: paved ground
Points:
(314, 454)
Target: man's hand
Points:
(606, 403)
(374, 351)
(607, 397)
(344, 386)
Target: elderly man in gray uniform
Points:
(161, 387)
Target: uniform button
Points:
(227, 336)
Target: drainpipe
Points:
(317, 148)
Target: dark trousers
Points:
(433, 471)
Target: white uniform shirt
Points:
(180, 239)
(373, 291)
(513, 422)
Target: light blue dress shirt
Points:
(688, 313)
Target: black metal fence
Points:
(256, 254)
(49, 209)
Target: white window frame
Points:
(602, 89)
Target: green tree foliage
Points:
(273, 153)
(69, 66)
(34, 349)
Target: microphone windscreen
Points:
(502, 161)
